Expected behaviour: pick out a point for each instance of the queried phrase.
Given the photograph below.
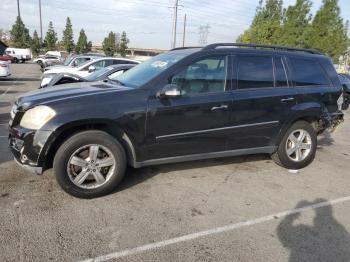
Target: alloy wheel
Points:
(298, 145)
(91, 166)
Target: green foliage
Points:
(83, 46)
(266, 25)
(109, 44)
(19, 35)
(50, 38)
(35, 46)
(328, 32)
(295, 27)
(124, 41)
(296, 24)
(68, 41)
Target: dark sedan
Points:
(109, 72)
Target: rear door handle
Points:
(219, 107)
(283, 100)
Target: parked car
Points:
(345, 81)
(44, 60)
(109, 72)
(89, 67)
(72, 61)
(19, 54)
(4, 69)
(187, 104)
(7, 58)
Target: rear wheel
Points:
(297, 148)
(90, 164)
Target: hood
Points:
(59, 69)
(66, 92)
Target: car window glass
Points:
(308, 72)
(115, 74)
(99, 64)
(280, 72)
(254, 72)
(204, 76)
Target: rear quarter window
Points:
(308, 72)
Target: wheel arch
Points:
(68, 130)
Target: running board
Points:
(237, 152)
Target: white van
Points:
(20, 54)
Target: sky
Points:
(148, 23)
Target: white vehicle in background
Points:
(4, 69)
(20, 54)
(87, 68)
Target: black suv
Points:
(187, 104)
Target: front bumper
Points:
(29, 148)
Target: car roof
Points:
(236, 48)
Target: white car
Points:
(87, 68)
(4, 69)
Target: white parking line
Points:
(230, 227)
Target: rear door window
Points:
(254, 72)
(308, 72)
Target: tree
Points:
(82, 45)
(67, 40)
(328, 31)
(109, 45)
(19, 34)
(50, 38)
(35, 46)
(296, 23)
(124, 41)
(5, 36)
(266, 25)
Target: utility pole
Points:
(19, 13)
(176, 5)
(184, 33)
(41, 23)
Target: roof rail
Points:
(274, 47)
(185, 47)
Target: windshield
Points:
(68, 59)
(145, 71)
(98, 73)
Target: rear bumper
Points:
(330, 121)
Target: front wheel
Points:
(297, 148)
(90, 164)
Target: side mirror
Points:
(170, 91)
(91, 68)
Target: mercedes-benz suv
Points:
(186, 104)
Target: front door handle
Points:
(283, 100)
(219, 107)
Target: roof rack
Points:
(274, 47)
(185, 47)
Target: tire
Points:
(307, 147)
(15, 60)
(90, 187)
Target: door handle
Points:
(219, 107)
(283, 100)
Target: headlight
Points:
(45, 81)
(36, 117)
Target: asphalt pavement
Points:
(230, 209)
